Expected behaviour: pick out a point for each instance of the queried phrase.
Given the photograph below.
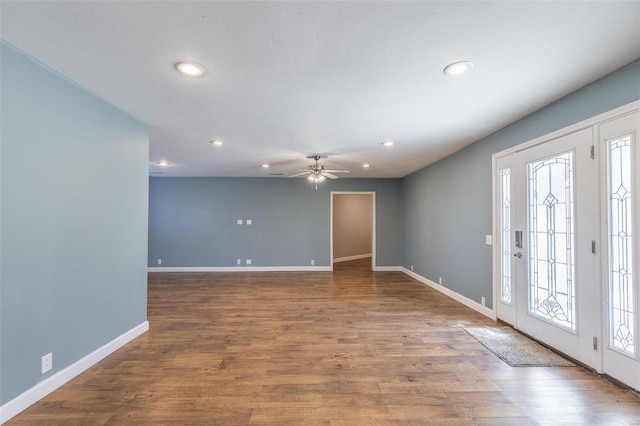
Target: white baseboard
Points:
(388, 268)
(348, 258)
(44, 388)
(452, 294)
(258, 268)
(238, 268)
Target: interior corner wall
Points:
(352, 225)
(193, 221)
(73, 222)
(447, 205)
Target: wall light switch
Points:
(249, 222)
(488, 240)
(239, 222)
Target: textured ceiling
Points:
(286, 79)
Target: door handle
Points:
(518, 255)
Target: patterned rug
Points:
(516, 349)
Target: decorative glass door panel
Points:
(505, 235)
(621, 242)
(551, 240)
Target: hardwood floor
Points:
(350, 347)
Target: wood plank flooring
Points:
(350, 347)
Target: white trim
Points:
(238, 268)
(388, 269)
(452, 294)
(44, 388)
(348, 258)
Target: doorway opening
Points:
(353, 230)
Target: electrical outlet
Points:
(483, 301)
(159, 261)
(412, 267)
(239, 221)
(47, 362)
(440, 280)
(249, 222)
(239, 262)
(488, 240)
(248, 262)
(313, 262)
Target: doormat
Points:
(516, 349)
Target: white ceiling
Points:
(286, 79)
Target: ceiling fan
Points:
(317, 173)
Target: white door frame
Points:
(373, 224)
(591, 122)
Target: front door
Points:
(567, 218)
(555, 268)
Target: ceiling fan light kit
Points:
(316, 178)
(317, 173)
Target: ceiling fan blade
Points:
(300, 174)
(336, 171)
(329, 175)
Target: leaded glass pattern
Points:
(505, 235)
(551, 239)
(621, 240)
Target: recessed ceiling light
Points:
(458, 67)
(366, 165)
(265, 166)
(189, 68)
(217, 142)
(163, 163)
(388, 143)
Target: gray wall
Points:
(73, 217)
(192, 221)
(352, 224)
(447, 205)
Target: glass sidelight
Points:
(621, 245)
(505, 235)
